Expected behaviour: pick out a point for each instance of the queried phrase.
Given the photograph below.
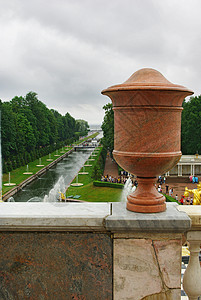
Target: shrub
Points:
(108, 184)
(170, 199)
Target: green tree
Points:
(191, 126)
(24, 134)
(81, 127)
(108, 128)
(8, 130)
(30, 130)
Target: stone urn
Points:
(147, 132)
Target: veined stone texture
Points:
(169, 259)
(173, 294)
(141, 269)
(136, 271)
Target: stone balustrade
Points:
(192, 276)
(96, 250)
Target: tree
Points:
(81, 127)
(30, 130)
(25, 138)
(108, 128)
(191, 126)
(8, 130)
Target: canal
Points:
(55, 180)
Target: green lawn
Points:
(92, 193)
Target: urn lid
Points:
(147, 79)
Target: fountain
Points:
(77, 183)
(11, 199)
(55, 192)
(49, 159)
(27, 171)
(87, 164)
(34, 199)
(128, 188)
(9, 183)
(83, 171)
(91, 159)
(62, 150)
(57, 154)
(40, 164)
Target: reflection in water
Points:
(47, 187)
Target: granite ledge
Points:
(26, 216)
(171, 220)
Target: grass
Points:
(88, 191)
(91, 193)
(17, 175)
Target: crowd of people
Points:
(186, 200)
(120, 179)
(169, 191)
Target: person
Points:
(171, 192)
(191, 201)
(188, 201)
(181, 200)
(176, 197)
(166, 188)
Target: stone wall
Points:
(87, 251)
(55, 265)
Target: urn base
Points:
(146, 199)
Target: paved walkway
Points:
(178, 184)
(111, 167)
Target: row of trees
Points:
(190, 126)
(30, 130)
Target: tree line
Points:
(29, 130)
(190, 126)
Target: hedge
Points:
(170, 199)
(108, 184)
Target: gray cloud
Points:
(68, 51)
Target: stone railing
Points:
(94, 251)
(192, 276)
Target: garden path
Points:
(110, 167)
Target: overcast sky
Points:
(68, 51)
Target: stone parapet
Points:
(91, 250)
(147, 252)
(170, 220)
(53, 216)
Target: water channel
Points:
(56, 179)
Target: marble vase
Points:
(147, 132)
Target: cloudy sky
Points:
(67, 51)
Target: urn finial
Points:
(147, 131)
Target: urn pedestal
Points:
(147, 132)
